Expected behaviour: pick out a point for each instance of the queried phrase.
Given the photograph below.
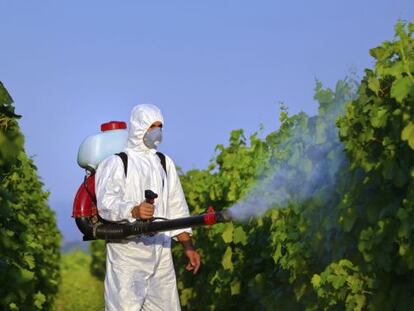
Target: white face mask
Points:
(153, 138)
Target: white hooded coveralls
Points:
(139, 271)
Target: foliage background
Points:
(29, 238)
(79, 289)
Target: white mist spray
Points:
(309, 162)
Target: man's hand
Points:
(143, 211)
(193, 256)
(194, 260)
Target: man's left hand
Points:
(194, 261)
(193, 256)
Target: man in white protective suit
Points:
(139, 271)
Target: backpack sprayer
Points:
(92, 151)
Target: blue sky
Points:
(211, 66)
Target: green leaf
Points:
(39, 300)
(360, 301)
(408, 131)
(354, 283)
(374, 84)
(185, 296)
(240, 236)
(316, 281)
(235, 288)
(348, 220)
(401, 88)
(29, 259)
(338, 281)
(411, 28)
(408, 134)
(379, 117)
(277, 254)
(26, 275)
(13, 307)
(228, 233)
(403, 249)
(226, 261)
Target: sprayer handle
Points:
(150, 196)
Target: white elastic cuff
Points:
(179, 231)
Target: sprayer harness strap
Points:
(124, 158)
(163, 162)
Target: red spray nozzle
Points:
(210, 216)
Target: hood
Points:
(142, 117)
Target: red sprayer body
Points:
(84, 204)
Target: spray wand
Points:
(93, 227)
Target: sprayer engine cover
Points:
(84, 204)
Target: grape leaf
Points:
(226, 261)
(401, 88)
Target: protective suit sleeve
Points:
(110, 188)
(177, 204)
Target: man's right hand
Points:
(143, 211)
